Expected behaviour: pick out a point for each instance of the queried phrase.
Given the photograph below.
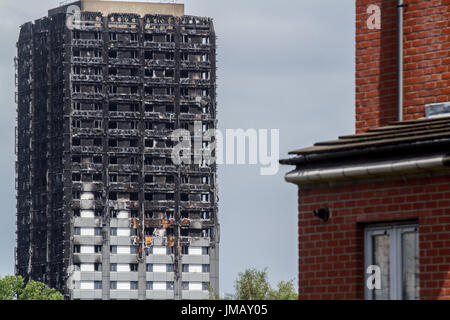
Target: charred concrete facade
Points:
(102, 211)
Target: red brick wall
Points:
(331, 263)
(426, 51)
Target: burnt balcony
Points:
(159, 186)
(86, 78)
(196, 187)
(124, 44)
(159, 116)
(88, 113)
(188, 169)
(97, 204)
(196, 82)
(159, 223)
(124, 115)
(124, 168)
(87, 167)
(87, 149)
(126, 79)
(124, 96)
(87, 43)
(87, 132)
(194, 117)
(159, 169)
(194, 99)
(195, 205)
(159, 45)
(160, 97)
(159, 204)
(158, 133)
(123, 132)
(87, 60)
(196, 223)
(160, 81)
(96, 186)
(195, 64)
(125, 61)
(158, 151)
(125, 150)
(123, 186)
(195, 46)
(87, 96)
(160, 63)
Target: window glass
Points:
(410, 263)
(381, 258)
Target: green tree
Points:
(39, 291)
(13, 288)
(253, 285)
(286, 291)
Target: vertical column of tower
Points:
(177, 213)
(86, 155)
(142, 269)
(52, 154)
(215, 237)
(40, 155)
(106, 218)
(23, 166)
(56, 220)
(68, 205)
(198, 180)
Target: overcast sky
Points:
(283, 64)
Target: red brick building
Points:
(387, 187)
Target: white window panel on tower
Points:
(123, 232)
(195, 268)
(195, 251)
(123, 267)
(87, 285)
(87, 196)
(195, 286)
(122, 285)
(159, 250)
(159, 268)
(87, 249)
(123, 214)
(87, 267)
(87, 232)
(89, 214)
(159, 286)
(123, 250)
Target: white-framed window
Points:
(395, 250)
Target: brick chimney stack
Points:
(426, 59)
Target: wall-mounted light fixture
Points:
(323, 213)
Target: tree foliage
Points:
(14, 288)
(286, 291)
(11, 287)
(253, 285)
